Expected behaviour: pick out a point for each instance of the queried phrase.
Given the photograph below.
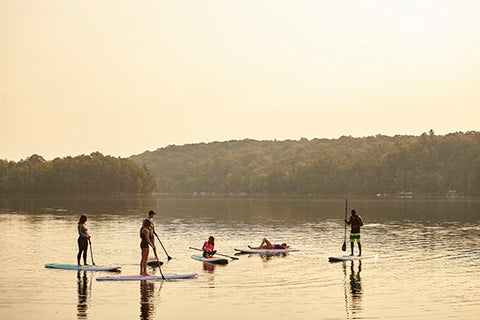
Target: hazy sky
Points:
(122, 77)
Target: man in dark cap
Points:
(151, 230)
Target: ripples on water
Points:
(428, 266)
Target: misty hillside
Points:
(424, 165)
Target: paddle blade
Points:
(344, 246)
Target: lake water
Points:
(428, 265)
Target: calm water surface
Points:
(428, 266)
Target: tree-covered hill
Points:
(92, 173)
(424, 165)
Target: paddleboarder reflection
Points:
(82, 305)
(353, 288)
(208, 267)
(147, 289)
(355, 281)
(269, 256)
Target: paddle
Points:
(91, 251)
(224, 255)
(344, 246)
(168, 257)
(158, 261)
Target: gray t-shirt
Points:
(83, 231)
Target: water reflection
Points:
(355, 280)
(84, 286)
(208, 267)
(353, 289)
(268, 257)
(252, 211)
(441, 235)
(264, 256)
(147, 292)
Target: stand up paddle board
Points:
(137, 277)
(266, 251)
(83, 268)
(154, 263)
(351, 258)
(215, 260)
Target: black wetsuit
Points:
(82, 243)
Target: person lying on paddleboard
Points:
(268, 245)
(83, 237)
(145, 236)
(208, 247)
(355, 222)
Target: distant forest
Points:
(428, 164)
(92, 173)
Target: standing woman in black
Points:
(145, 236)
(82, 239)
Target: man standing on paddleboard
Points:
(151, 229)
(355, 222)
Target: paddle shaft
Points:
(223, 255)
(158, 261)
(168, 257)
(344, 246)
(91, 251)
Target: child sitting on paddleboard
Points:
(208, 247)
(268, 245)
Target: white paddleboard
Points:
(215, 260)
(266, 251)
(66, 266)
(351, 258)
(137, 277)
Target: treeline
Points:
(92, 173)
(423, 165)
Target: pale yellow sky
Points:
(123, 77)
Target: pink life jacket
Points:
(207, 246)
